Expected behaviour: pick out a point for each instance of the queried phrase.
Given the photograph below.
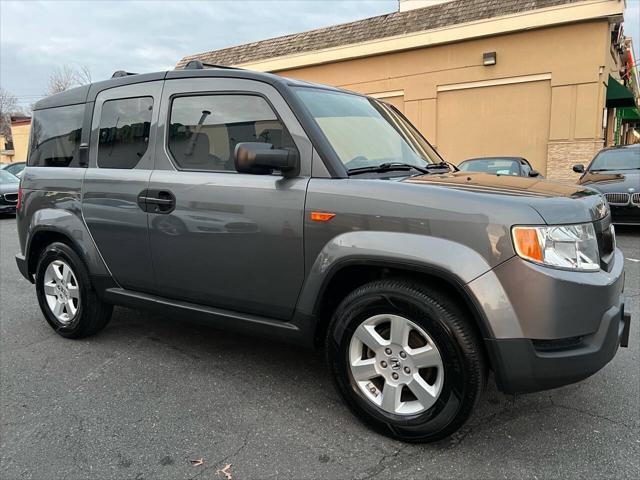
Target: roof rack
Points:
(198, 65)
(121, 73)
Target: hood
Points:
(9, 188)
(556, 202)
(613, 181)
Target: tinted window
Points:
(55, 136)
(124, 132)
(15, 168)
(494, 166)
(205, 130)
(623, 159)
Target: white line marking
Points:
(633, 260)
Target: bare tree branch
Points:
(8, 106)
(84, 75)
(61, 79)
(66, 77)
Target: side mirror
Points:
(262, 159)
(578, 168)
(534, 173)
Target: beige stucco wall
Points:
(572, 61)
(3, 157)
(20, 134)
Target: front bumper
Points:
(529, 366)
(7, 208)
(625, 214)
(547, 327)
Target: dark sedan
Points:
(14, 168)
(8, 192)
(615, 172)
(515, 166)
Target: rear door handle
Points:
(157, 201)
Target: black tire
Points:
(456, 339)
(92, 315)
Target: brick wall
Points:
(561, 156)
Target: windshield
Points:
(364, 132)
(623, 159)
(6, 177)
(497, 166)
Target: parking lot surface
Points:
(150, 394)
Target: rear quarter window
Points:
(55, 136)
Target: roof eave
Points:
(534, 19)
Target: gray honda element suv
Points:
(307, 214)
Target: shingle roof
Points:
(392, 24)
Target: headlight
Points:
(572, 247)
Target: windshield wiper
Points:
(389, 166)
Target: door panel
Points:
(233, 240)
(117, 223)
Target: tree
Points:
(66, 77)
(8, 106)
(84, 75)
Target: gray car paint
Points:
(52, 203)
(455, 224)
(109, 201)
(266, 209)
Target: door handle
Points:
(157, 201)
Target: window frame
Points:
(167, 129)
(153, 107)
(94, 112)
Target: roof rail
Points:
(121, 73)
(198, 65)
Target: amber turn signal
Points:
(527, 243)
(322, 216)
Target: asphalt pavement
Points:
(150, 394)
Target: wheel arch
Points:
(50, 225)
(40, 238)
(347, 275)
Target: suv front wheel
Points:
(406, 360)
(66, 298)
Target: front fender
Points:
(393, 249)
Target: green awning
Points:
(630, 114)
(618, 95)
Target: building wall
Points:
(20, 133)
(544, 98)
(5, 155)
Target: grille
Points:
(11, 197)
(635, 198)
(560, 344)
(617, 198)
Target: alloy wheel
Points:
(396, 364)
(62, 291)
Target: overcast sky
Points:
(145, 36)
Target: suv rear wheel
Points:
(65, 295)
(406, 360)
